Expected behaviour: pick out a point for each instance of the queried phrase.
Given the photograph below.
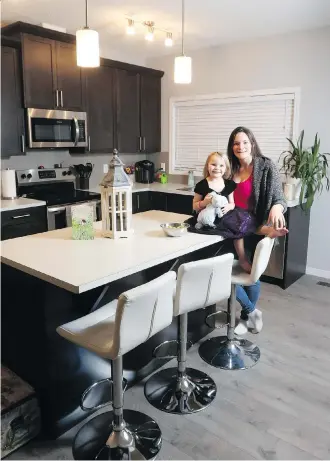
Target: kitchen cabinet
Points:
(23, 221)
(100, 109)
(141, 201)
(177, 203)
(159, 201)
(128, 111)
(138, 100)
(12, 120)
(150, 87)
(51, 77)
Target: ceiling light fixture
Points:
(130, 30)
(150, 31)
(88, 48)
(168, 39)
(182, 64)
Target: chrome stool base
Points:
(180, 393)
(99, 394)
(139, 439)
(235, 354)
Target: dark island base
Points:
(58, 370)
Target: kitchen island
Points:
(48, 279)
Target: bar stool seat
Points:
(110, 332)
(184, 390)
(229, 352)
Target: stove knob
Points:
(29, 176)
(23, 176)
(64, 173)
(69, 173)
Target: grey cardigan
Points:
(267, 188)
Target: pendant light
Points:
(182, 64)
(88, 49)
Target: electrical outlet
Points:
(105, 168)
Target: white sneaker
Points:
(255, 321)
(241, 328)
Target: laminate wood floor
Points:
(279, 409)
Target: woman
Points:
(258, 190)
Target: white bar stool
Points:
(229, 352)
(184, 390)
(110, 332)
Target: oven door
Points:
(56, 128)
(59, 217)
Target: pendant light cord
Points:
(86, 14)
(182, 31)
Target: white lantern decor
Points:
(116, 201)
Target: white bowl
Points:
(175, 229)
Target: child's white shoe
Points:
(255, 321)
(241, 328)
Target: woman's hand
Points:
(207, 200)
(227, 207)
(276, 217)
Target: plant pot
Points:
(296, 182)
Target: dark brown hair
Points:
(255, 149)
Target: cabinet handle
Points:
(21, 216)
(57, 101)
(62, 104)
(89, 143)
(23, 143)
(140, 144)
(144, 143)
(138, 202)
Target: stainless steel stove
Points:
(55, 186)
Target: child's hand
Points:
(227, 207)
(207, 200)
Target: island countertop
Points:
(79, 266)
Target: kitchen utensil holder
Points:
(82, 183)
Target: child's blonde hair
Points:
(224, 158)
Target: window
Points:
(202, 124)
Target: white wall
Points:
(295, 60)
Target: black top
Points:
(202, 188)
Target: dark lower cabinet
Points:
(24, 221)
(159, 201)
(141, 202)
(177, 203)
(12, 120)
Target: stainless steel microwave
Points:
(56, 128)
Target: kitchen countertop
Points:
(16, 204)
(172, 188)
(81, 265)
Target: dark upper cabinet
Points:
(70, 79)
(150, 113)
(51, 76)
(100, 109)
(128, 111)
(138, 101)
(12, 119)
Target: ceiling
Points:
(208, 22)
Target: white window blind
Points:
(202, 125)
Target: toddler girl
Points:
(236, 222)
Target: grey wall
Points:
(295, 60)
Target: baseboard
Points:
(318, 272)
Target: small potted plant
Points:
(307, 169)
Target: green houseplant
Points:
(308, 167)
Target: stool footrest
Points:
(100, 391)
(219, 319)
(168, 349)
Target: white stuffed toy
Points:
(207, 216)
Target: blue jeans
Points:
(248, 298)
